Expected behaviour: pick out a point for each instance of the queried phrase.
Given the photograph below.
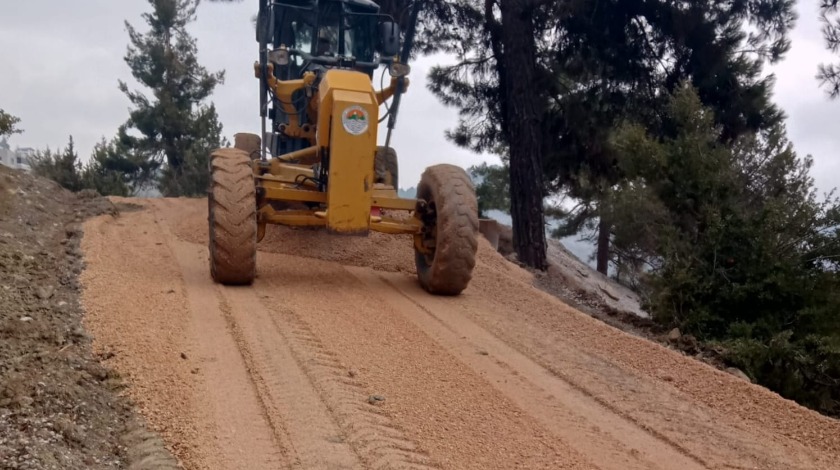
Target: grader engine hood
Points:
(348, 115)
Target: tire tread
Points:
(232, 217)
(453, 193)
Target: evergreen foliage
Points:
(829, 74)
(177, 129)
(492, 187)
(62, 167)
(108, 171)
(732, 244)
(8, 124)
(597, 63)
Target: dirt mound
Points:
(59, 406)
(378, 250)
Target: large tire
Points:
(386, 167)
(250, 143)
(453, 225)
(232, 215)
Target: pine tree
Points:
(8, 124)
(524, 113)
(113, 170)
(597, 62)
(176, 129)
(501, 110)
(62, 167)
(492, 187)
(829, 74)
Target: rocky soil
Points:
(336, 358)
(59, 406)
(578, 285)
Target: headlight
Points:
(399, 70)
(279, 56)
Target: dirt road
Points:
(335, 358)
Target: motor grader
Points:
(317, 162)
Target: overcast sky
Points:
(60, 62)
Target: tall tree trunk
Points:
(524, 117)
(603, 256)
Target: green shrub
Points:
(805, 370)
(739, 248)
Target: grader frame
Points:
(319, 165)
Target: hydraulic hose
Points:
(404, 56)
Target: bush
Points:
(805, 370)
(738, 248)
(63, 168)
(111, 170)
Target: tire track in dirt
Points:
(610, 441)
(318, 411)
(316, 437)
(378, 442)
(594, 357)
(243, 434)
(450, 411)
(299, 421)
(163, 332)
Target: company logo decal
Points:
(355, 120)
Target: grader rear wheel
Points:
(386, 168)
(450, 230)
(232, 216)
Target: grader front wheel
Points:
(250, 143)
(450, 230)
(232, 215)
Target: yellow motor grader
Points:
(317, 163)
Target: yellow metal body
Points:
(351, 156)
(342, 130)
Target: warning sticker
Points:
(355, 120)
